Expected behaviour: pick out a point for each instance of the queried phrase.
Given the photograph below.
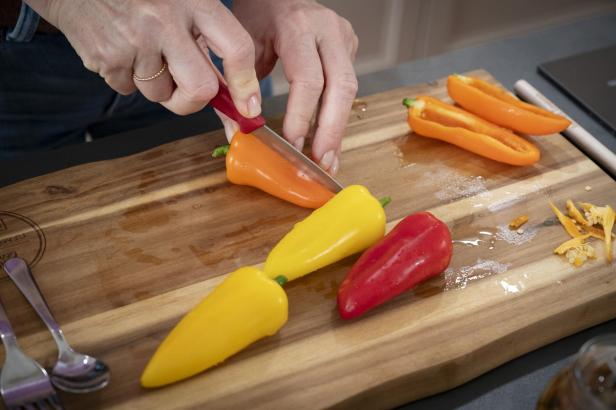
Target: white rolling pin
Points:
(578, 135)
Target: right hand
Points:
(118, 38)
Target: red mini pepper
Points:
(418, 248)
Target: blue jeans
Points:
(48, 99)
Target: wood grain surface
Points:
(123, 248)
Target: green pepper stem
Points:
(281, 279)
(220, 151)
(385, 201)
(408, 102)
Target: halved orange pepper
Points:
(502, 108)
(433, 118)
(251, 162)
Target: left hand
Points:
(317, 48)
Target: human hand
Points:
(117, 38)
(317, 48)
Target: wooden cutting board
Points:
(123, 248)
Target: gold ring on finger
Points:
(158, 74)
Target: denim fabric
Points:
(26, 25)
(48, 99)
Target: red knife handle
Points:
(223, 103)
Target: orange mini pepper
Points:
(502, 108)
(251, 162)
(432, 118)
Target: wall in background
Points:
(394, 31)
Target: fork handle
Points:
(6, 330)
(20, 274)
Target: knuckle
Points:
(120, 86)
(188, 109)
(346, 26)
(112, 58)
(243, 48)
(91, 64)
(330, 15)
(314, 83)
(125, 89)
(202, 93)
(152, 14)
(300, 118)
(347, 84)
(300, 18)
(157, 95)
(244, 82)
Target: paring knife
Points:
(256, 126)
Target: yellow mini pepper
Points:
(244, 308)
(348, 223)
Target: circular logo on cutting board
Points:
(20, 236)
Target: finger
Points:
(231, 127)
(226, 37)
(302, 67)
(351, 39)
(355, 46)
(121, 80)
(340, 90)
(159, 88)
(196, 83)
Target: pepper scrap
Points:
(418, 248)
(349, 223)
(572, 229)
(577, 216)
(576, 250)
(502, 108)
(251, 162)
(245, 307)
(604, 216)
(517, 222)
(432, 118)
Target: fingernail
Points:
(327, 160)
(299, 143)
(334, 168)
(254, 107)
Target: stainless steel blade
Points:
(297, 158)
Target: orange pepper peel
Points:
(577, 216)
(572, 229)
(576, 250)
(500, 107)
(518, 222)
(604, 216)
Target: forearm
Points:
(42, 7)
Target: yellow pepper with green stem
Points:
(348, 223)
(244, 308)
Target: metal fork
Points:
(24, 384)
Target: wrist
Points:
(47, 9)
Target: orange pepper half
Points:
(432, 118)
(502, 108)
(251, 162)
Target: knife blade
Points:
(257, 127)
